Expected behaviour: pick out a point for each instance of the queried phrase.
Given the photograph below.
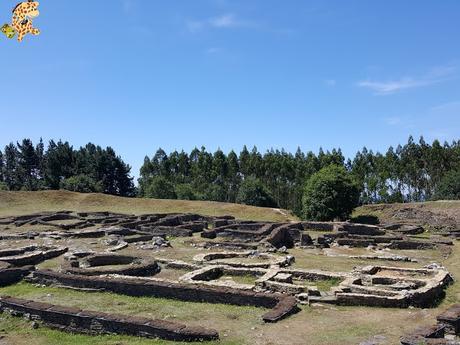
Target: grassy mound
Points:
(16, 203)
(432, 214)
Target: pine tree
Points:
(11, 174)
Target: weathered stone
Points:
(76, 320)
(451, 319)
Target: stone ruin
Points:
(445, 332)
(96, 264)
(247, 264)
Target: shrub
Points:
(160, 188)
(329, 194)
(82, 184)
(366, 219)
(185, 192)
(215, 192)
(253, 192)
(3, 186)
(449, 187)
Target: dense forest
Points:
(416, 171)
(406, 173)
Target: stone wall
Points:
(445, 332)
(281, 305)
(38, 255)
(94, 265)
(77, 320)
(10, 276)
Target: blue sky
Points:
(140, 74)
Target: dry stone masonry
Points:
(244, 263)
(445, 332)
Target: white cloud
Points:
(388, 87)
(225, 21)
(450, 106)
(436, 75)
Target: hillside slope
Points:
(433, 214)
(16, 203)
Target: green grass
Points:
(319, 325)
(217, 316)
(16, 203)
(19, 331)
(159, 308)
(326, 285)
(241, 279)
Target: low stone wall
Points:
(451, 319)
(209, 275)
(245, 231)
(35, 257)
(77, 320)
(281, 305)
(412, 244)
(10, 276)
(360, 299)
(361, 229)
(221, 258)
(196, 226)
(448, 324)
(405, 229)
(319, 226)
(137, 238)
(93, 265)
(426, 335)
(357, 243)
(167, 231)
(17, 251)
(426, 291)
(287, 235)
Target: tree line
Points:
(25, 166)
(411, 172)
(415, 171)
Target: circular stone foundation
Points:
(248, 259)
(100, 264)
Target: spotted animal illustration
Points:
(8, 31)
(23, 14)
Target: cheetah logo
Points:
(23, 14)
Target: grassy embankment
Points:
(16, 203)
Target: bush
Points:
(82, 184)
(253, 192)
(215, 192)
(3, 186)
(449, 187)
(160, 188)
(185, 192)
(329, 194)
(366, 219)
